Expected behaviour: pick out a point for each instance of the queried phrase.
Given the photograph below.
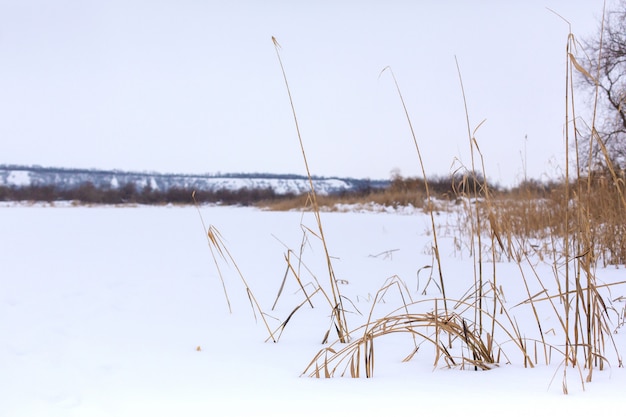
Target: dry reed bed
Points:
(566, 232)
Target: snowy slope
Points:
(70, 178)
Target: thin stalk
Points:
(429, 205)
(479, 284)
(338, 310)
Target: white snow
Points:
(120, 312)
(18, 178)
(279, 185)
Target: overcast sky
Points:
(191, 86)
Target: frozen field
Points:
(121, 312)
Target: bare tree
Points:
(605, 59)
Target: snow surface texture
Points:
(120, 312)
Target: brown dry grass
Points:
(401, 192)
(572, 225)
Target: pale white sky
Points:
(192, 86)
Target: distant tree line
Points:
(402, 190)
(88, 193)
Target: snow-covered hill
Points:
(63, 178)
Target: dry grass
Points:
(387, 197)
(456, 340)
(570, 227)
(338, 312)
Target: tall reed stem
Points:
(429, 204)
(338, 310)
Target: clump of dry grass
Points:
(456, 340)
(529, 218)
(401, 192)
(350, 359)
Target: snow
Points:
(18, 178)
(279, 185)
(109, 311)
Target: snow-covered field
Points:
(121, 312)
